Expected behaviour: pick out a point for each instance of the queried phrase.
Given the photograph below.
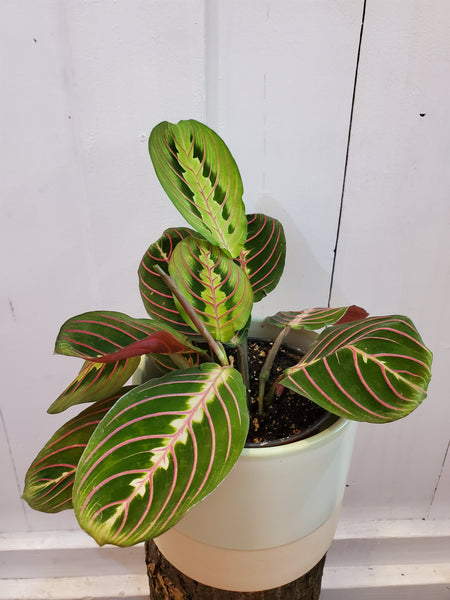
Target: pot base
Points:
(167, 583)
(247, 570)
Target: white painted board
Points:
(280, 87)
(394, 246)
(83, 85)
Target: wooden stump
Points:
(167, 583)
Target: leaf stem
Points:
(273, 389)
(243, 363)
(180, 361)
(216, 347)
(267, 366)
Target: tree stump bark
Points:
(167, 583)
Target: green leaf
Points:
(156, 296)
(216, 287)
(375, 370)
(49, 480)
(95, 381)
(108, 336)
(200, 176)
(317, 318)
(263, 255)
(160, 450)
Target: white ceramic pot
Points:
(273, 518)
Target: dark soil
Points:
(288, 416)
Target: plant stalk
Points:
(267, 366)
(180, 361)
(243, 363)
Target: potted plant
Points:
(140, 457)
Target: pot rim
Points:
(315, 441)
(265, 331)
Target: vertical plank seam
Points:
(438, 480)
(264, 112)
(347, 152)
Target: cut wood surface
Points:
(167, 583)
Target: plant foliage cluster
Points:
(138, 457)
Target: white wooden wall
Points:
(82, 83)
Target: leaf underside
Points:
(374, 370)
(160, 450)
(108, 336)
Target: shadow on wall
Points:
(302, 270)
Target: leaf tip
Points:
(353, 313)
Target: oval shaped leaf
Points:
(95, 382)
(216, 287)
(316, 318)
(49, 480)
(200, 176)
(156, 296)
(376, 370)
(263, 255)
(108, 336)
(160, 450)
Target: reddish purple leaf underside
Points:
(159, 342)
(353, 313)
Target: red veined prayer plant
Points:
(139, 457)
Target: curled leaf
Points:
(107, 336)
(317, 318)
(95, 381)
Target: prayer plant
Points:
(134, 461)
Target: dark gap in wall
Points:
(439, 478)
(355, 81)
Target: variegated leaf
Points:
(263, 254)
(49, 480)
(200, 176)
(316, 318)
(375, 370)
(161, 449)
(216, 287)
(95, 381)
(156, 296)
(107, 336)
